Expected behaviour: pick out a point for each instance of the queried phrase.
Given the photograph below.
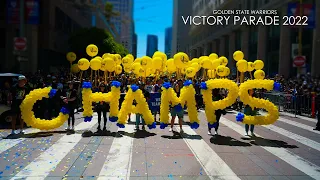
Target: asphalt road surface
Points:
(288, 149)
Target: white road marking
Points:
(210, 161)
(294, 160)
(49, 159)
(6, 144)
(119, 159)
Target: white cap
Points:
(21, 78)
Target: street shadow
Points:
(177, 135)
(259, 141)
(140, 134)
(101, 133)
(34, 135)
(227, 140)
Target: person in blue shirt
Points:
(250, 112)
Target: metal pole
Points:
(300, 35)
(21, 18)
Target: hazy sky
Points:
(152, 17)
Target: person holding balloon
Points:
(216, 96)
(249, 112)
(70, 100)
(101, 108)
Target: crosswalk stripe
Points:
(119, 159)
(212, 164)
(294, 160)
(298, 116)
(6, 144)
(303, 140)
(49, 159)
(297, 124)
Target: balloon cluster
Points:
(29, 117)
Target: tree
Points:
(109, 13)
(101, 38)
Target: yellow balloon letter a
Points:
(142, 107)
(187, 96)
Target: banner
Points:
(154, 102)
(307, 10)
(31, 11)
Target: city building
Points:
(135, 45)
(272, 44)
(152, 45)
(46, 29)
(124, 22)
(168, 42)
(180, 31)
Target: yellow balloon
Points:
(258, 64)
(171, 67)
(206, 63)
(75, 68)
(221, 71)
(71, 56)
(142, 73)
(216, 63)
(136, 68)
(242, 65)
(181, 59)
(103, 65)
(195, 60)
(98, 57)
(191, 72)
(196, 66)
(227, 71)
(117, 59)
(183, 70)
(127, 69)
(224, 60)
(146, 62)
(259, 74)
(109, 64)
(238, 55)
(250, 66)
(157, 63)
(213, 56)
(211, 74)
(105, 55)
(130, 56)
(126, 61)
(83, 64)
(95, 64)
(118, 69)
(92, 50)
(162, 55)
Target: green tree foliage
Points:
(108, 11)
(101, 38)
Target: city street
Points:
(288, 149)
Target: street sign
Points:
(20, 44)
(299, 61)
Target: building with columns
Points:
(272, 44)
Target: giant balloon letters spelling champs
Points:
(214, 69)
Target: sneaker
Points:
(209, 132)
(216, 133)
(246, 134)
(21, 131)
(13, 132)
(104, 128)
(181, 131)
(98, 128)
(170, 130)
(136, 128)
(72, 128)
(252, 134)
(68, 128)
(143, 128)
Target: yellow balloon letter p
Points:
(212, 106)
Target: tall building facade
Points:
(152, 45)
(272, 44)
(180, 31)
(135, 45)
(168, 42)
(47, 27)
(124, 22)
